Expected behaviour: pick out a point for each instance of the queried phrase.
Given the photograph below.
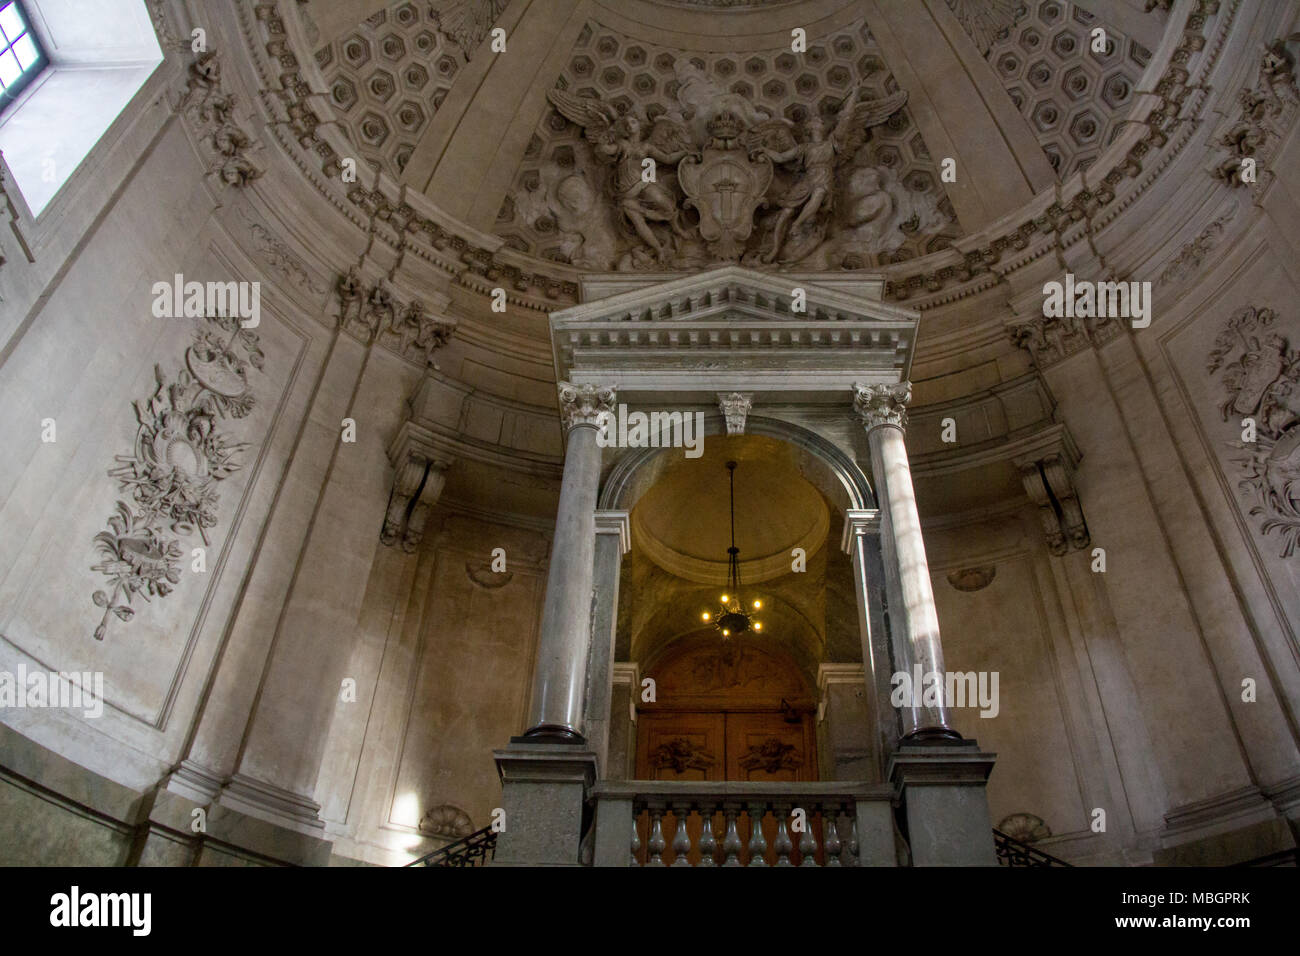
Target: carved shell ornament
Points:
(447, 820)
(1025, 827)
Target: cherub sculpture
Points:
(620, 141)
(816, 159)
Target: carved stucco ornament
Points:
(972, 579)
(183, 450)
(212, 111)
(447, 820)
(1260, 375)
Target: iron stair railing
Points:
(477, 849)
(1012, 852)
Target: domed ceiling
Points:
(1013, 92)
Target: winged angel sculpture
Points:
(717, 155)
(622, 142)
(815, 162)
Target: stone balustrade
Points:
(640, 823)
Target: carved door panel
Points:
(764, 747)
(674, 746)
(681, 747)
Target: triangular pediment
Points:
(735, 327)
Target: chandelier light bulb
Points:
(725, 600)
(758, 625)
(705, 616)
(757, 605)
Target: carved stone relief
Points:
(1049, 339)
(170, 482)
(212, 111)
(371, 313)
(446, 820)
(845, 179)
(1259, 373)
(972, 579)
(1265, 111)
(1024, 827)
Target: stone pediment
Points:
(735, 328)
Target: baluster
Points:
(831, 841)
(782, 844)
(681, 839)
(853, 842)
(636, 838)
(656, 842)
(707, 843)
(808, 843)
(731, 842)
(757, 842)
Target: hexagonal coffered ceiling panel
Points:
(388, 77)
(1072, 97)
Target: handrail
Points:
(1013, 852)
(477, 849)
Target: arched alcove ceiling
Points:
(682, 523)
(1011, 91)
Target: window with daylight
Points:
(21, 56)
(68, 68)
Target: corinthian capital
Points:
(585, 404)
(880, 405)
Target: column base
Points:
(942, 789)
(544, 789)
(550, 733)
(929, 736)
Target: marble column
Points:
(613, 539)
(913, 618)
(560, 672)
(861, 542)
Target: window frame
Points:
(10, 94)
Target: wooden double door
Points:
(724, 746)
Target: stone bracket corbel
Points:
(421, 473)
(1048, 480)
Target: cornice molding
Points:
(294, 95)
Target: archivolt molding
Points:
(304, 124)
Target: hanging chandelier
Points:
(732, 616)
